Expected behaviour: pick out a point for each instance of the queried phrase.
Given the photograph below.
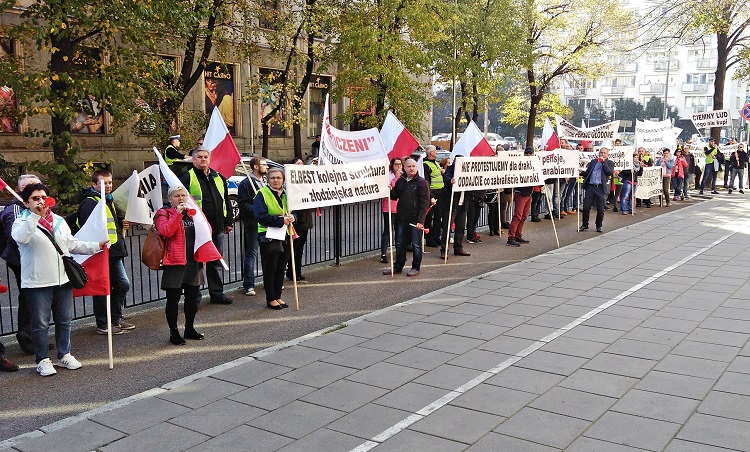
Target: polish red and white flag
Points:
(397, 139)
(205, 250)
(219, 142)
(472, 144)
(550, 142)
(97, 264)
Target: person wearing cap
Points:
(596, 180)
(712, 166)
(209, 189)
(171, 153)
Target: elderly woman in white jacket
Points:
(43, 277)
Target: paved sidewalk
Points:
(633, 340)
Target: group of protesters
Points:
(37, 240)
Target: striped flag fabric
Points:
(472, 144)
(397, 139)
(219, 142)
(97, 264)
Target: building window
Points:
(317, 89)
(90, 112)
(271, 97)
(218, 80)
(269, 14)
(9, 113)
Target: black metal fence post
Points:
(337, 235)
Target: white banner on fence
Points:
(602, 132)
(559, 163)
(502, 171)
(707, 119)
(649, 184)
(341, 146)
(655, 135)
(622, 156)
(309, 186)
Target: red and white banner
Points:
(96, 265)
(219, 142)
(397, 139)
(205, 250)
(472, 144)
(340, 146)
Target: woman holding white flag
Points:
(181, 271)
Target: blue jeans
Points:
(685, 184)
(119, 285)
(404, 234)
(627, 189)
(251, 255)
(42, 300)
(568, 195)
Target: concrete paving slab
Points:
(201, 392)
(262, 441)
(556, 363)
(732, 382)
(218, 418)
(141, 415)
(296, 419)
(334, 342)
(252, 373)
(597, 382)
(386, 375)
(317, 374)
(82, 436)
(357, 357)
(392, 343)
(573, 403)
(494, 400)
(163, 437)
(272, 394)
(457, 424)
(584, 444)
(676, 384)
(543, 427)
(447, 377)
(697, 367)
(716, 431)
(412, 441)
(452, 343)
(323, 439)
(421, 358)
(639, 349)
(368, 421)
(479, 359)
(635, 431)
(656, 406)
(345, 395)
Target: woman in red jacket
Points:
(181, 271)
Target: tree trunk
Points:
(722, 42)
(60, 63)
(530, 124)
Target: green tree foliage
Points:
(105, 53)
(627, 109)
(293, 34)
(655, 109)
(380, 50)
(563, 38)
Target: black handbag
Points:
(75, 271)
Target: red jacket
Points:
(169, 224)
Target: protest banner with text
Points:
(559, 163)
(708, 119)
(655, 135)
(341, 146)
(602, 132)
(310, 186)
(649, 184)
(502, 171)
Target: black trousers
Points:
(595, 194)
(24, 316)
(190, 307)
(458, 216)
(274, 265)
(434, 219)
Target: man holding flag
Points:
(209, 190)
(118, 278)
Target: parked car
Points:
(494, 139)
(233, 182)
(510, 143)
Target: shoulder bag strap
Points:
(49, 236)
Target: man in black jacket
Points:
(413, 194)
(118, 279)
(737, 163)
(246, 192)
(209, 189)
(596, 182)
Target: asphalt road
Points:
(144, 359)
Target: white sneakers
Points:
(68, 362)
(45, 368)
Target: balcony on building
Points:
(651, 88)
(706, 63)
(698, 108)
(575, 92)
(661, 65)
(613, 90)
(627, 68)
(699, 88)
